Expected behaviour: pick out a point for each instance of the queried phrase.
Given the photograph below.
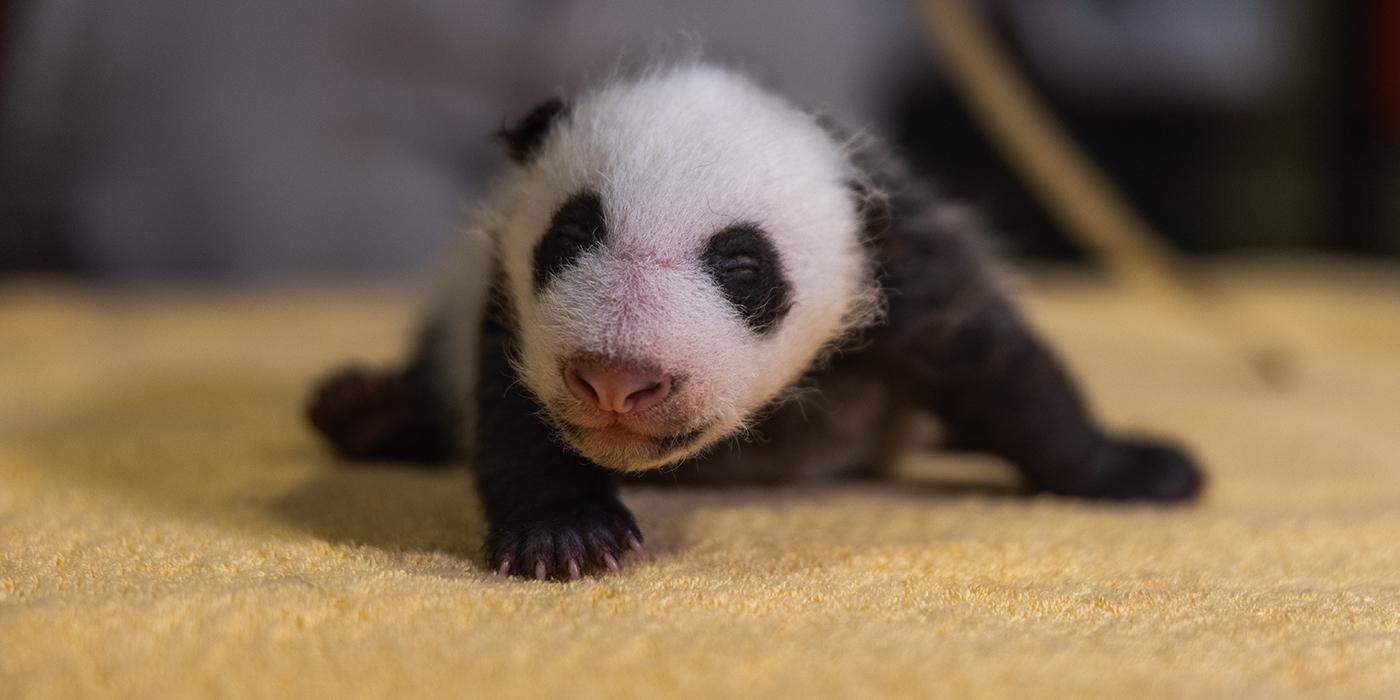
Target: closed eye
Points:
(741, 267)
(574, 236)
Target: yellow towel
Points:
(168, 528)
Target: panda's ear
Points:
(523, 140)
(872, 202)
(874, 209)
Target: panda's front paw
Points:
(567, 545)
(1143, 470)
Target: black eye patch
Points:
(745, 265)
(576, 228)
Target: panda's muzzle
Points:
(620, 411)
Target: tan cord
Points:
(1078, 194)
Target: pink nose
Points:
(616, 388)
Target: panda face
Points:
(678, 250)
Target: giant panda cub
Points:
(686, 275)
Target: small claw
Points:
(635, 544)
(610, 562)
(574, 573)
(540, 570)
(504, 568)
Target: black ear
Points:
(874, 209)
(524, 139)
(872, 202)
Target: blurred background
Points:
(274, 139)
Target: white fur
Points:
(677, 155)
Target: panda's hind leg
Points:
(960, 349)
(380, 414)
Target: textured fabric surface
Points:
(168, 528)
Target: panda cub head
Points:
(676, 249)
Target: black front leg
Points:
(961, 350)
(552, 513)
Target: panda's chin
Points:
(619, 448)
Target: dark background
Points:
(296, 139)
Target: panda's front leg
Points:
(552, 514)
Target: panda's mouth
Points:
(617, 438)
(617, 432)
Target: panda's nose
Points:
(616, 388)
